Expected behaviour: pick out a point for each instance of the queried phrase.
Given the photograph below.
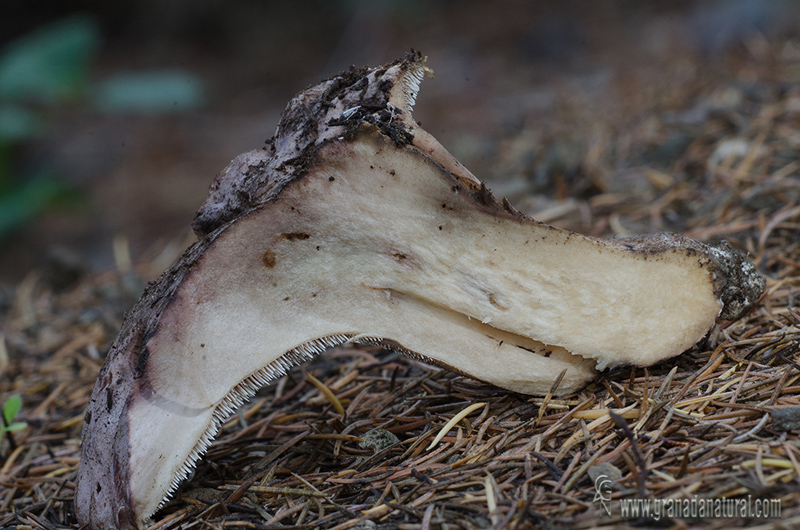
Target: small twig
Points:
(555, 472)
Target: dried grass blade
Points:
(327, 392)
(450, 424)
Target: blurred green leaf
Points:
(11, 408)
(18, 123)
(51, 63)
(20, 204)
(151, 92)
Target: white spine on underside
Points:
(409, 84)
(242, 392)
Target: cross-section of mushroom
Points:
(355, 225)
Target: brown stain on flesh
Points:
(294, 236)
(495, 303)
(268, 259)
(404, 258)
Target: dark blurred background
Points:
(116, 116)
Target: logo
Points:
(603, 487)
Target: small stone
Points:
(204, 494)
(608, 470)
(786, 419)
(378, 440)
(732, 150)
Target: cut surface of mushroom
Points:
(358, 226)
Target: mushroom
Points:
(357, 226)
